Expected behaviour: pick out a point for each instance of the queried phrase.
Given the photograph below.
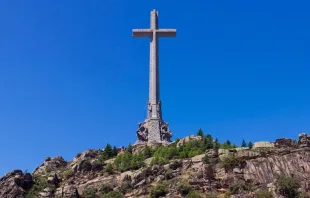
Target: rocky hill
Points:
(196, 166)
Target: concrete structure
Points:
(154, 129)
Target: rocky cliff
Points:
(278, 169)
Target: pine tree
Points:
(200, 132)
(228, 143)
(250, 145)
(243, 144)
(107, 153)
(129, 148)
(114, 152)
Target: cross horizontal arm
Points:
(142, 32)
(166, 32)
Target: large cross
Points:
(154, 34)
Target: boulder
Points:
(198, 158)
(263, 145)
(304, 140)
(188, 139)
(14, 184)
(50, 164)
(285, 143)
(69, 191)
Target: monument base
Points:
(154, 131)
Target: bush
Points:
(288, 186)
(68, 173)
(128, 161)
(112, 195)
(105, 188)
(175, 164)
(231, 161)
(239, 187)
(125, 187)
(108, 168)
(263, 193)
(206, 159)
(90, 193)
(194, 194)
(40, 183)
(86, 165)
(168, 174)
(212, 195)
(184, 188)
(159, 190)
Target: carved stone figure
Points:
(142, 132)
(164, 132)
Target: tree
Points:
(250, 145)
(243, 144)
(114, 152)
(129, 148)
(200, 132)
(107, 153)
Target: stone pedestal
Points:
(153, 131)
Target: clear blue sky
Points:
(73, 78)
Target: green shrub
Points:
(168, 174)
(159, 190)
(40, 183)
(263, 193)
(128, 161)
(68, 173)
(112, 195)
(105, 188)
(231, 161)
(86, 165)
(288, 186)
(125, 187)
(239, 187)
(194, 194)
(108, 168)
(211, 195)
(184, 188)
(90, 193)
(206, 159)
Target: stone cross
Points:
(154, 103)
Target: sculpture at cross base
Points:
(154, 129)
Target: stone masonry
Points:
(154, 129)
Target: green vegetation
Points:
(231, 161)
(206, 159)
(194, 194)
(228, 145)
(243, 144)
(128, 161)
(68, 173)
(159, 190)
(39, 185)
(108, 153)
(108, 168)
(263, 193)
(90, 193)
(112, 195)
(239, 187)
(184, 188)
(200, 132)
(212, 195)
(250, 145)
(288, 186)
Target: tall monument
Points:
(154, 129)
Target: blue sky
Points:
(73, 78)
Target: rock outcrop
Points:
(15, 184)
(215, 171)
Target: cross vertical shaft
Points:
(156, 129)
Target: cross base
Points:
(154, 131)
